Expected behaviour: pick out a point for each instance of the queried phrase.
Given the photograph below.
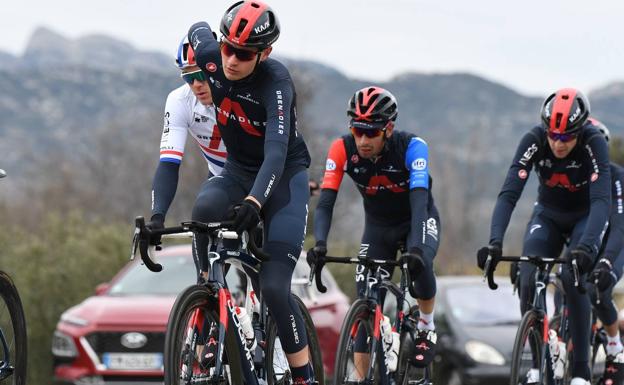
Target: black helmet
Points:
(601, 127)
(250, 24)
(565, 111)
(372, 107)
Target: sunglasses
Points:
(561, 137)
(369, 133)
(241, 54)
(190, 77)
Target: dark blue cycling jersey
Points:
(255, 115)
(613, 249)
(578, 183)
(395, 187)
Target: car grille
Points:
(104, 342)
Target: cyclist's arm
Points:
(172, 144)
(615, 243)
(599, 192)
(204, 44)
(334, 171)
(514, 185)
(277, 100)
(417, 162)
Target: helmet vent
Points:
(255, 5)
(558, 118)
(241, 27)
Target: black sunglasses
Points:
(563, 138)
(369, 133)
(241, 54)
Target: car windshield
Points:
(478, 305)
(178, 272)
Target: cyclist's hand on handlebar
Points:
(494, 249)
(603, 275)
(584, 258)
(157, 222)
(317, 254)
(247, 216)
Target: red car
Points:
(117, 336)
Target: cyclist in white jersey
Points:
(188, 110)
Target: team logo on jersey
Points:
(419, 164)
(522, 174)
(534, 227)
(330, 165)
(528, 154)
(432, 228)
(211, 67)
(594, 177)
(166, 122)
(355, 158)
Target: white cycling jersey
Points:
(184, 113)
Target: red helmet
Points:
(601, 127)
(565, 111)
(250, 24)
(185, 56)
(372, 107)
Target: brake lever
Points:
(135, 243)
(311, 275)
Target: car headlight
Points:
(76, 321)
(63, 345)
(484, 353)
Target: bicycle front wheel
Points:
(278, 370)
(527, 355)
(353, 362)
(12, 334)
(191, 344)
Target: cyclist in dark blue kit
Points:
(570, 157)
(390, 168)
(608, 271)
(265, 173)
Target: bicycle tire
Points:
(17, 341)
(530, 330)
(359, 315)
(192, 298)
(276, 359)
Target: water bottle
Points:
(390, 340)
(248, 331)
(557, 354)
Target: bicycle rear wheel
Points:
(12, 334)
(351, 367)
(278, 370)
(528, 349)
(193, 323)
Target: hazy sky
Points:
(532, 46)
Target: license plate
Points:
(133, 361)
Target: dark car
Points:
(117, 336)
(476, 329)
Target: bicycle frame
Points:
(376, 281)
(217, 285)
(227, 313)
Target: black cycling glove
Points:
(157, 222)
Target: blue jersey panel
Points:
(417, 161)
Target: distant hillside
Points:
(67, 99)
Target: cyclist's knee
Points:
(210, 207)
